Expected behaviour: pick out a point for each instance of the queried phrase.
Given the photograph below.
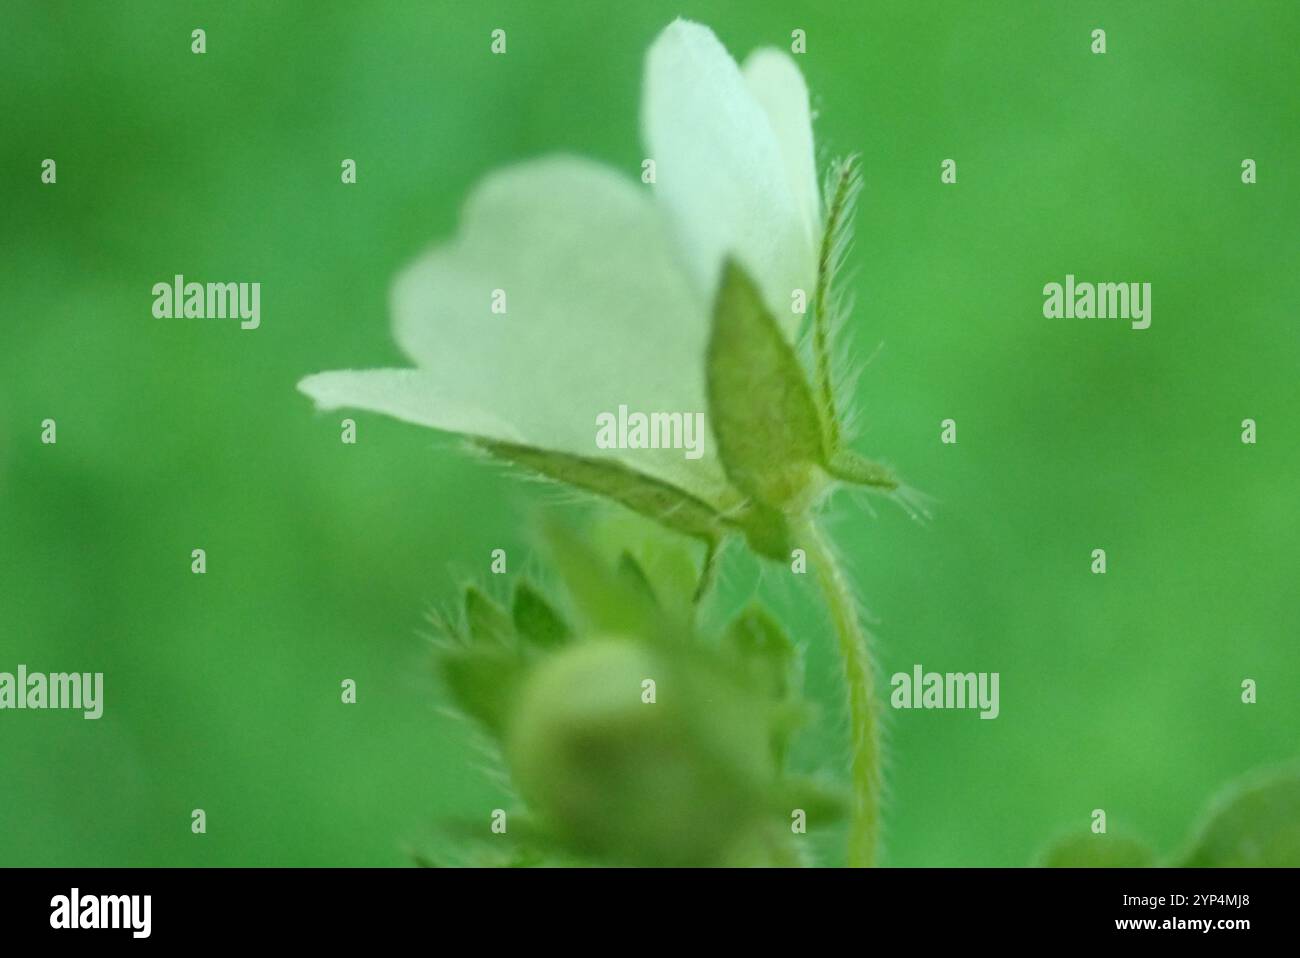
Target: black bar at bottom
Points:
(336, 906)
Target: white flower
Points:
(609, 286)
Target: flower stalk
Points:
(865, 753)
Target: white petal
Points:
(779, 87)
(410, 395)
(599, 313)
(719, 169)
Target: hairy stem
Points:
(839, 201)
(865, 760)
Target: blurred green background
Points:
(1119, 692)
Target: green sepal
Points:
(660, 561)
(536, 621)
(487, 621)
(766, 660)
(766, 530)
(657, 500)
(605, 600)
(630, 571)
(848, 466)
(766, 423)
(763, 651)
(483, 682)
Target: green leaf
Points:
(1252, 823)
(664, 503)
(1097, 851)
(765, 420)
(536, 620)
(488, 622)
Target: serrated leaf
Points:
(1097, 851)
(1255, 823)
(664, 503)
(488, 622)
(536, 620)
(765, 420)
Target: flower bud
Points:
(621, 771)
